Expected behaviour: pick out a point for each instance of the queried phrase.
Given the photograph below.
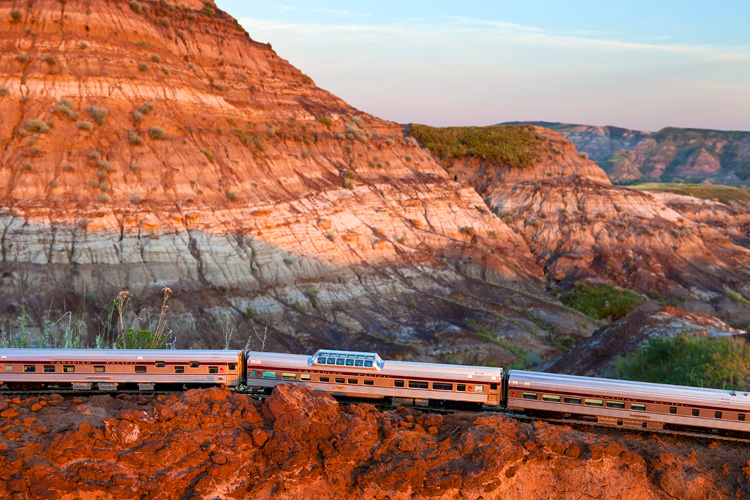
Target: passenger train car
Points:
(366, 375)
(628, 403)
(110, 369)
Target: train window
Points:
(696, 412)
(442, 387)
(352, 381)
(49, 368)
(324, 379)
(99, 369)
(339, 380)
(269, 374)
(140, 369)
(672, 410)
(289, 376)
(29, 368)
(359, 362)
(179, 369)
(615, 404)
(638, 406)
(717, 414)
(478, 388)
(571, 400)
(304, 376)
(340, 362)
(398, 383)
(159, 364)
(349, 362)
(232, 366)
(493, 387)
(529, 395)
(8, 368)
(213, 369)
(594, 402)
(368, 363)
(741, 417)
(193, 364)
(69, 368)
(551, 397)
(369, 382)
(416, 384)
(321, 361)
(461, 387)
(331, 361)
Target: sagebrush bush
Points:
(37, 125)
(4, 91)
(98, 114)
(156, 133)
(84, 125)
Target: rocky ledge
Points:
(215, 444)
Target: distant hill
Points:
(669, 155)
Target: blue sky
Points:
(636, 64)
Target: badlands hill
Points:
(670, 155)
(148, 144)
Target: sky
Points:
(636, 64)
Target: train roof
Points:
(95, 355)
(604, 387)
(390, 368)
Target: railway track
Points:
(711, 436)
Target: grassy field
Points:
(514, 146)
(725, 194)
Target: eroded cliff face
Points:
(149, 144)
(297, 444)
(581, 227)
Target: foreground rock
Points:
(213, 444)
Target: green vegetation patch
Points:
(514, 146)
(724, 194)
(722, 363)
(600, 302)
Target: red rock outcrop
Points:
(580, 226)
(208, 444)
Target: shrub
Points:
(15, 15)
(325, 121)
(142, 66)
(231, 195)
(143, 44)
(84, 125)
(155, 58)
(137, 116)
(165, 70)
(512, 146)
(27, 166)
(208, 9)
(599, 302)
(65, 108)
(137, 8)
(738, 298)
(49, 59)
(135, 199)
(699, 361)
(164, 22)
(68, 167)
(22, 57)
(37, 125)
(146, 108)
(83, 45)
(35, 151)
(134, 138)
(181, 35)
(3, 91)
(209, 155)
(98, 114)
(156, 133)
(102, 198)
(217, 85)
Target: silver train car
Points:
(627, 403)
(109, 369)
(366, 375)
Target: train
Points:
(365, 375)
